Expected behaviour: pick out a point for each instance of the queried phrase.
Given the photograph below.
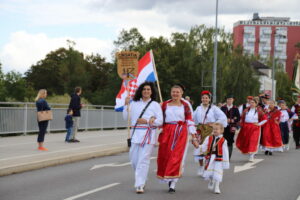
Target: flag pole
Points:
(155, 72)
(128, 112)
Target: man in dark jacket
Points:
(233, 117)
(75, 105)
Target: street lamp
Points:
(215, 57)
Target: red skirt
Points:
(271, 138)
(172, 145)
(248, 138)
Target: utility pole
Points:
(215, 57)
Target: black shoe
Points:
(171, 190)
(270, 153)
(266, 152)
(70, 141)
(75, 140)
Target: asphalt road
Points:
(274, 177)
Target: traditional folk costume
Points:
(296, 125)
(271, 139)
(203, 116)
(248, 138)
(286, 115)
(173, 139)
(144, 137)
(245, 105)
(217, 159)
(233, 115)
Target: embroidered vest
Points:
(218, 148)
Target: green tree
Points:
(2, 86)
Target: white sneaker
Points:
(140, 190)
(211, 185)
(200, 171)
(251, 158)
(217, 188)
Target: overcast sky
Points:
(32, 28)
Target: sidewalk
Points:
(19, 153)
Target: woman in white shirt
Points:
(173, 140)
(251, 121)
(143, 130)
(204, 116)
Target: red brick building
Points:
(265, 35)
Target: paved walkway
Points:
(19, 153)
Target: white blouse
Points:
(136, 108)
(285, 116)
(175, 114)
(252, 117)
(215, 114)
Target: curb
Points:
(23, 167)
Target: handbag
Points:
(44, 115)
(129, 139)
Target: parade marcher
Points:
(265, 102)
(251, 121)
(271, 138)
(296, 123)
(245, 105)
(145, 116)
(173, 140)
(217, 157)
(287, 116)
(42, 105)
(204, 116)
(233, 117)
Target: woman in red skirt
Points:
(271, 139)
(178, 122)
(251, 121)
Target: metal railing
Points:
(21, 117)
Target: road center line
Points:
(92, 191)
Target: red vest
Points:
(219, 149)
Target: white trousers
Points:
(140, 161)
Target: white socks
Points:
(173, 184)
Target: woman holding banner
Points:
(173, 140)
(145, 116)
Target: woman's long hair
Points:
(41, 94)
(138, 94)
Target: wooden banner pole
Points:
(155, 72)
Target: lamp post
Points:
(215, 57)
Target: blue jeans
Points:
(69, 132)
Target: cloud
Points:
(25, 49)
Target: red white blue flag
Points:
(145, 73)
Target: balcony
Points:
(268, 48)
(282, 57)
(264, 40)
(278, 48)
(251, 40)
(267, 32)
(283, 40)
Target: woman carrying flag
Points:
(145, 115)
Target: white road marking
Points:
(113, 165)
(63, 137)
(92, 191)
(52, 152)
(298, 198)
(247, 166)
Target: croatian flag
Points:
(145, 73)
